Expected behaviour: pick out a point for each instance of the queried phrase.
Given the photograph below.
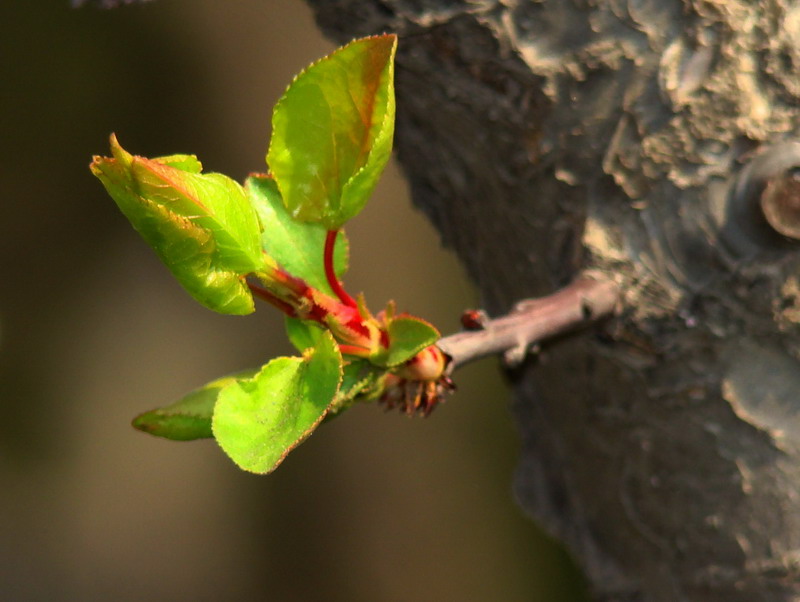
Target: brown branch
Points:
(584, 301)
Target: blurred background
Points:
(93, 330)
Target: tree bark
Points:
(635, 138)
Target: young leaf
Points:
(202, 226)
(297, 246)
(188, 163)
(407, 337)
(359, 380)
(258, 421)
(358, 377)
(303, 334)
(332, 132)
(190, 417)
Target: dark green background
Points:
(374, 507)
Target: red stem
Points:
(265, 295)
(353, 350)
(330, 273)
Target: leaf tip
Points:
(119, 153)
(142, 423)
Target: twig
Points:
(584, 301)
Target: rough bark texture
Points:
(544, 137)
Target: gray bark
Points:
(632, 137)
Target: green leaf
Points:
(188, 163)
(332, 132)
(202, 226)
(258, 421)
(190, 417)
(359, 381)
(303, 334)
(359, 375)
(297, 246)
(407, 337)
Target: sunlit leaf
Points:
(258, 421)
(202, 226)
(189, 417)
(358, 375)
(297, 246)
(332, 132)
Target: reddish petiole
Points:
(330, 272)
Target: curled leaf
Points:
(202, 226)
(190, 417)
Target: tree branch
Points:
(586, 300)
